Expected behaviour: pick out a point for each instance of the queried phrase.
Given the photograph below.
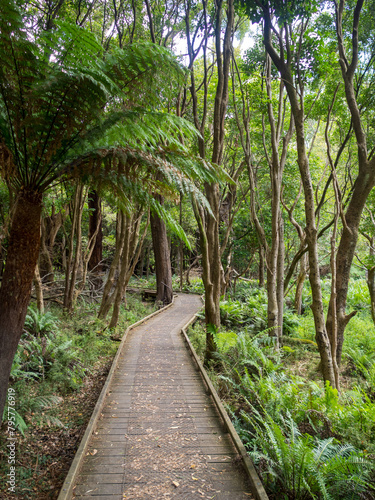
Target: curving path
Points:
(159, 435)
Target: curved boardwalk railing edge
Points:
(256, 485)
(67, 488)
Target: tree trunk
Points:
(75, 251)
(213, 276)
(130, 255)
(299, 286)
(333, 332)
(164, 291)
(296, 103)
(23, 252)
(280, 277)
(95, 227)
(50, 227)
(148, 262)
(261, 267)
(371, 289)
(45, 260)
(107, 297)
(38, 290)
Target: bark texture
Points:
(164, 290)
(23, 251)
(96, 232)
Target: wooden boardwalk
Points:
(159, 435)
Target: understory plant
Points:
(307, 441)
(297, 466)
(56, 353)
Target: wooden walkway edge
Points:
(155, 433)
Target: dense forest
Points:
(222, 147)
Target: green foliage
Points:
(325, 449)
(39, 324)
(56, 362)
(358, 294)
(249, 310)
(195, 286)
(67, 110)
(297, 466)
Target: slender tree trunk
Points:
(45, 260)
(130, 255)
(23, 252)
(50, 227)
(164, 291)
(118, 294)
(75, 252)
(371, 289)
(148, 262)
(299, 286)
(107, 298)
(86, 256)
(333, 332)
(296, 103)
(95, 228)
(321, 335)
(38, 290)
(280, 277)
(261, 267)
(181, 250)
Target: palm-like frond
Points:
(69, 110)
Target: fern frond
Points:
(40, 402)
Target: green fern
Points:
(38, 323)
(298, 466)
(44, 402)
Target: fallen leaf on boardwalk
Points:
(175, 484)
(194, 478)
(192, 466)
(94, 452)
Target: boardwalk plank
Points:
(159, 435)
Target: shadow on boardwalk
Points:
(159, 435)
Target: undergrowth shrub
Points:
(297, 466)
(38, 323)
(57, 351)
(250, 310)
(317, 444)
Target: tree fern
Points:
(63, 102)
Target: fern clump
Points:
(297, 466)
(38, 323)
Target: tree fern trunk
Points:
(23, 251)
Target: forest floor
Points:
(46, 448)
(45, 453)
